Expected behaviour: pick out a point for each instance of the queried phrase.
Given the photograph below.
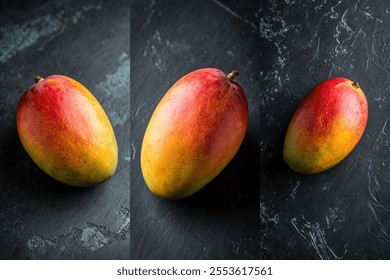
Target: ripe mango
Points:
(326, 126)
(194, 132)
(66, 132)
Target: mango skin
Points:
(326, 126)
(66, 132)
(194, 132)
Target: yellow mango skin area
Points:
(194, 132)
(66, 132)
(326, 126)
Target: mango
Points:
(66, 132)
(326, 126)
(194, 132)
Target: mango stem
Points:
(232, 75)
(38, 79)
(355, 85)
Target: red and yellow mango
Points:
(194, 132)
(66, 132)
(326, 126)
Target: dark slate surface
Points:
(89, 41)
(168, 40)
(343, 213)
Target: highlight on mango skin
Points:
(66, 132)
(326, 126)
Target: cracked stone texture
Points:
(343, 213)
(90, 42)
(76, 243)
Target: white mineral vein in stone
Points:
(20, 36)
(116, 87)
(77, 243)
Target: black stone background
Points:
(343, 213)
(168, 40)
(88, 41)
(281, 48)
